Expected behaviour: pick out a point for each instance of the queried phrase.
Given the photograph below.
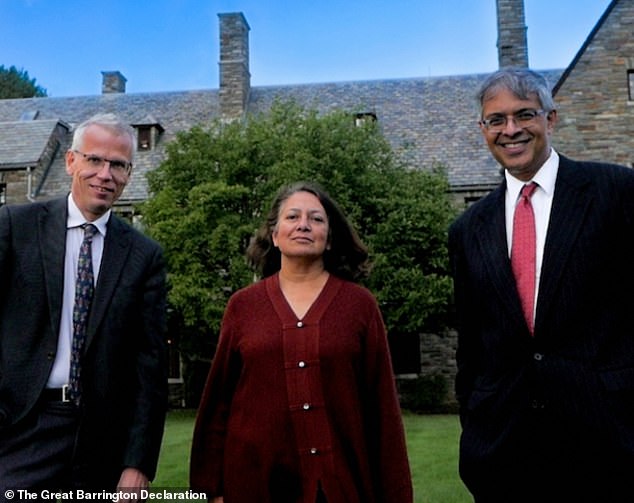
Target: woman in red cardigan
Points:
(300, 405)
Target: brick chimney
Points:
(112, 82)
(235, 79)
(512, 45)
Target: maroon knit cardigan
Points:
(291, 404)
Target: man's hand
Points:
(132, 481)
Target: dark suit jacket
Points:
(574, 380)
(124, 371)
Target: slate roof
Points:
(22, 143)
(174, 111)
(427, 120)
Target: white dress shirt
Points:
(541, 200)
(74, 237)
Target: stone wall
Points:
(438, 357)
(16, 188)
(595, 106)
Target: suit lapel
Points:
(490, 234)
(52, 240)
(569, 209)
(115, 252)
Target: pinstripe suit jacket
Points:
(124, 372)
(578, 369)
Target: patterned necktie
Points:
(523, 252)
(84, 288)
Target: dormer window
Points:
(362, 118)
(148, 133)
(144, 138)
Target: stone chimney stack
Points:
(235, 79)
(512, 45)
(112, 82)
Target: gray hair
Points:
(108, 121)
(522, 82)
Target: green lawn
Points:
(432, 442)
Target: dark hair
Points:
(521, 82)
(347, 256)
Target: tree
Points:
(16, 83)
(213, 189)
(410, 277)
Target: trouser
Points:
(36, 453)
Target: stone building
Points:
(428, 121)
(595, 94)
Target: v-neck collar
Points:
(315, 311)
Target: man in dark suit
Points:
(105, 430)
(545, 380)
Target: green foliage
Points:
(410, 276)
(426, 393)
(16, 83)
(217, 183)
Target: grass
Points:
(173, 468)
(432, 442)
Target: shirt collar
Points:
(76, 219)
(545, 177)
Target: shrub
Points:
(426, 393)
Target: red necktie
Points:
(523, 251)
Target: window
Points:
(144, 138)
(3, 193)
(473, 198)
(405, 351)
(29, 115)
(362, 118)
(630, 84)
(148, 133)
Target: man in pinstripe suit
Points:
(545, 398)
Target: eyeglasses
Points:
(523, 119)
(96, 162)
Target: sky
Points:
(173, 45)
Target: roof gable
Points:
(585, 46)
(23, 143)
